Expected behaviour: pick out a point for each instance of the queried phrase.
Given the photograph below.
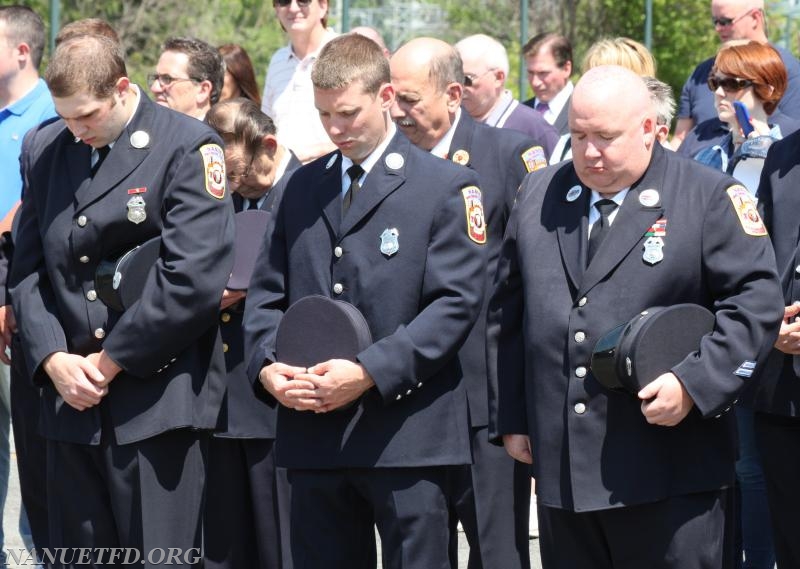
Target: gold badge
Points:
(214, 166)
(461, 157)
(746, 211)
(534, 158)
(476, 223)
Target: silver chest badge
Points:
(136, 211)
(389, 243)
(653, 250)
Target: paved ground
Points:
(13, 540)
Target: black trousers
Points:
(491, 498)
(31, 447)
(246, 518)
(334, 514)
(145, 496)
(683, 532)
(778, 440)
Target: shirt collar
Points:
(19, 106)
(442, 148)
(619, 197)
(500, 108)
(329, 35)
(557, 103)
(372, 159)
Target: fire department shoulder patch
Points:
(214, 166)
(476, 223)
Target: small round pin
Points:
(574, 193)
(140, 139)
(394, 161)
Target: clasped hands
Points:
(81, 381)
(321, 388)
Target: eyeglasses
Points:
(725, 22)
(284, 3)
(728, 84)
(237, 178)
(470, 79)
(166, 80)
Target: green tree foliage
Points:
(682, 31)
(143, 25)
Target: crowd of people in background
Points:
(485, 243)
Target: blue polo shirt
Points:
(16, 120)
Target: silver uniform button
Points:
(580, 371)
(580, 408)
(338, 252)
(338, 288)
(91, 296)
(82, 220)
(583, 301)
(580, 336)
(797, 269)
(84, 259)
(99, 333)
(399, 397)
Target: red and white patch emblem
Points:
(214, 165)
(476, 222)
(746, 211)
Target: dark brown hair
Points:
(239, 65)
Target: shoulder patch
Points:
(476, 223)
(214, 166)
(534, 158)
(746, 211)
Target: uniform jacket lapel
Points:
(462, 138)
(122, 159)
(379, 183)
(630, 224)
(571, 222)
(330, 191)
(78, 158)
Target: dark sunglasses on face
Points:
(728, 84)
(725, 22)
(284, 3)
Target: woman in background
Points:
(240, 77)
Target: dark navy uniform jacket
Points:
(592, 448)
(247, 413)
(419, 303)
(497, 156)
(167, 343)
(779, 201)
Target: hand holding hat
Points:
(665, 401)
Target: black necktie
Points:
(102, 152)
(601, 226)
(355, 171)
(252, 204)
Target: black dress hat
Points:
(633, 354)
(250, 228)
(119, 282)
(317, 328)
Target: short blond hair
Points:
(621, 51)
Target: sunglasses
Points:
(284, 3)
(470, 79)
(725, 22)
(166, 80)
(728, 84)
